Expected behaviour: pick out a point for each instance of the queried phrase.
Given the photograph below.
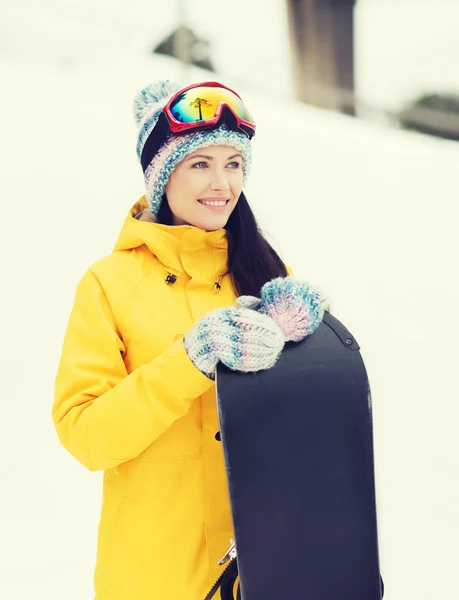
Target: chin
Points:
(210, 224)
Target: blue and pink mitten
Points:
(250, 336)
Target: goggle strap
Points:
(154, 141)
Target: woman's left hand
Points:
(295, 306)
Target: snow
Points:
(366, 213)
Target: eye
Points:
(200, 165)
(234, 165)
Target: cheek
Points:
(184, 188)
(178, 187)
(237, 180)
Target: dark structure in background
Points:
(185, 45)
(322, 49)
(434, 114)
(322, 39)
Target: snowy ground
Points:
(368, 214)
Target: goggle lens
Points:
(202, 103)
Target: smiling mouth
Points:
(214, 204)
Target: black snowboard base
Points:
(298, 446)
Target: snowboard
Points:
(298, 448)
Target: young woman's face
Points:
(205, 187)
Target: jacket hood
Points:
(180, 249)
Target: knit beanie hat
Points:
(148, 104)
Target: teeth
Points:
(214, 203)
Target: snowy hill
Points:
(368, 214)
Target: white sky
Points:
(368, 214)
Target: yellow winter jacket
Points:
(130, 402)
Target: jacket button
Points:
(218, 437)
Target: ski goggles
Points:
(202, 106)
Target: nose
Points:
(219, 181)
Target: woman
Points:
(135, 391)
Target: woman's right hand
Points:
(242, 339)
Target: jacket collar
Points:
(181, 249)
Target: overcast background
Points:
(366, 212)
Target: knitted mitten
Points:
(248, 302)
(295, 306)
(242, 339)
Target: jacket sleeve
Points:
(103, 415)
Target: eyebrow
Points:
(211, 157)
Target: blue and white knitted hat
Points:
(148, 104)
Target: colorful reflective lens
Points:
(204, 103)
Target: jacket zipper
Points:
(216, 585)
